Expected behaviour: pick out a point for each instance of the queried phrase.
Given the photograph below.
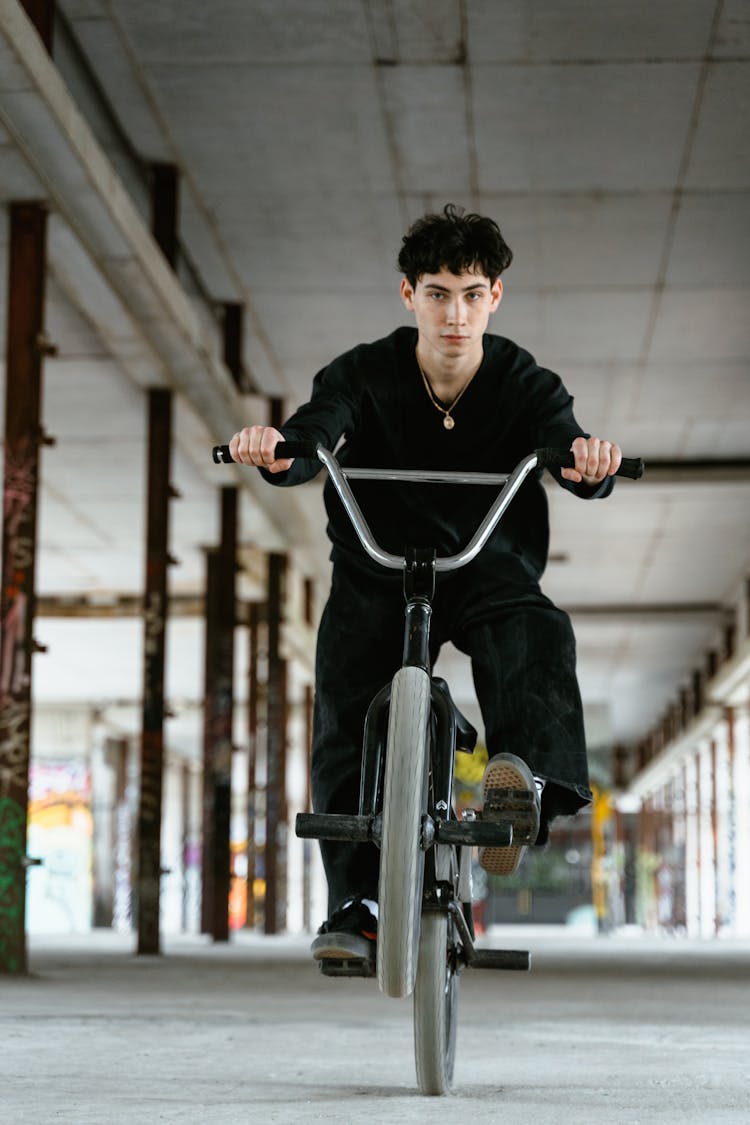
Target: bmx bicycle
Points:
(412, 730)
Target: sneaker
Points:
(349, 934)
(510, 793)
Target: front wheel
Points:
(436, 989)
(401, 854)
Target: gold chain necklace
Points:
(448, 421)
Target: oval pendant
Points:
(448, 422)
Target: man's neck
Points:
(447, 375)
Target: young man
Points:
(442, 395)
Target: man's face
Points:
(452, 310)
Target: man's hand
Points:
(595, 460)
(256, 445)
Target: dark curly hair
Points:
(454, 241)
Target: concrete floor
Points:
(623, 1030)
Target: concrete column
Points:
(741, 786)
(646, 883)
(185, 843)
(692, 872)
(724, 829)
(707, 848)
(679, 919)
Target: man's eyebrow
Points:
(466, 289)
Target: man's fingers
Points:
(256, 445)
(280, 466)
(571, 474)
(268, 439)
(590, 467)
(594, 460)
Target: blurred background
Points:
(202, 205)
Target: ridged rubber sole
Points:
(505, 773)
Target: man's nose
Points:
(456, 313)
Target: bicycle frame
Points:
(419, 566)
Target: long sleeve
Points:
(333, 410)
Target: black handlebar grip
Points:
(308, 449)
(222, 456)
(631, 467)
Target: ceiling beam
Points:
(174, 347)
(660, 613)
(191, 605)
(695, 471)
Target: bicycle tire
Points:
(436, 991)
(401, 855)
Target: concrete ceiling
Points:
(610, 142)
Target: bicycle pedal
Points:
(346, 967)
(519, 806)
(518, 959)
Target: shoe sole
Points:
(504, 775)
(343, 947)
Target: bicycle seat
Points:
(467, 735)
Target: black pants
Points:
(522, 651)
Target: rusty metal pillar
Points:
(309, 600)
(42, 15)
(234, 319)
(253, 713)
(147, 887)
(148, 874)
(164, 203)
(307, 870)
(24, 350)
(218, 715)
(276, 806)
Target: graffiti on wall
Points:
(12, 847)
(60, 890)
(19, 514)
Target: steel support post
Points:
(309, 698)
(148, 875)
(234, 318)
(218, 715)
(148, 872)
(24, 350)
(42, 15)
(164, 205)
(276, 806)
(253, 710)
(307, 882)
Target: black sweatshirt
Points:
(375, 396)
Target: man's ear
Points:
(496, 294)
(407, 293)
